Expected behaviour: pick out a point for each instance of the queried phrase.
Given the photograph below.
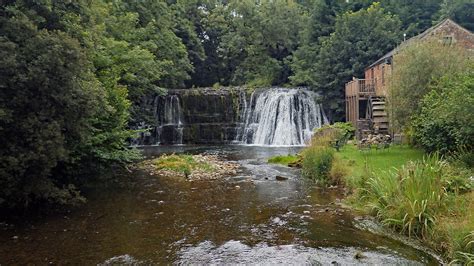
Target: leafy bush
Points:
(47, 102)
(347, 128)
(446, 121)
(339, 133)
(462, 157)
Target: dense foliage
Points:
(418, 65)
(430, 96)
(62, 117)
(342, 132)
(48, 101)
(358, 38)
(446, 122)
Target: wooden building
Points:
(365, 98)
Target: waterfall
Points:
(280, 117)
(172, 111)
(171, 120)
(168, 126)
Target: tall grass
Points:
(317, 163)
(181, 163)
(429, 199)
(318, 157)
(411, 198)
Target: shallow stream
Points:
(251, 218)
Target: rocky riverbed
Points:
(190, 167)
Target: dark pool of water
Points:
(249, 218)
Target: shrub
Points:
(338, 133)
(47, 102)
(338, 171)
(317, 163)
(445, 122)
(462, 157)
(347, 128)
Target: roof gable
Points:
(424, 35)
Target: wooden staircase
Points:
(377, 114)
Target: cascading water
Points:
(168, 126)
(280, 117)
(172, 111)
(172, 119)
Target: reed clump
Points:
(423, 199)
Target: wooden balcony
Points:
(357, 90)
(360, 87)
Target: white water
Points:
(172, 111)
(281, 117)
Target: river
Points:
(251, 218)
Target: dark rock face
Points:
(197, 116)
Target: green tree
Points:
(318, 27)
(359, 38)
(260, 40)
(157, 19)
(48, 98)
(214, 68)
(461, 11)
(416, 15)
(64, 107)
(189, 15)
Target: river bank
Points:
(425, 197)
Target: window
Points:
(448, 40)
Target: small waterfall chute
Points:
(171, 120)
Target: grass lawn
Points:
(377, 160)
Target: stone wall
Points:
(207, 116)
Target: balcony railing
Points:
(360, 87)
